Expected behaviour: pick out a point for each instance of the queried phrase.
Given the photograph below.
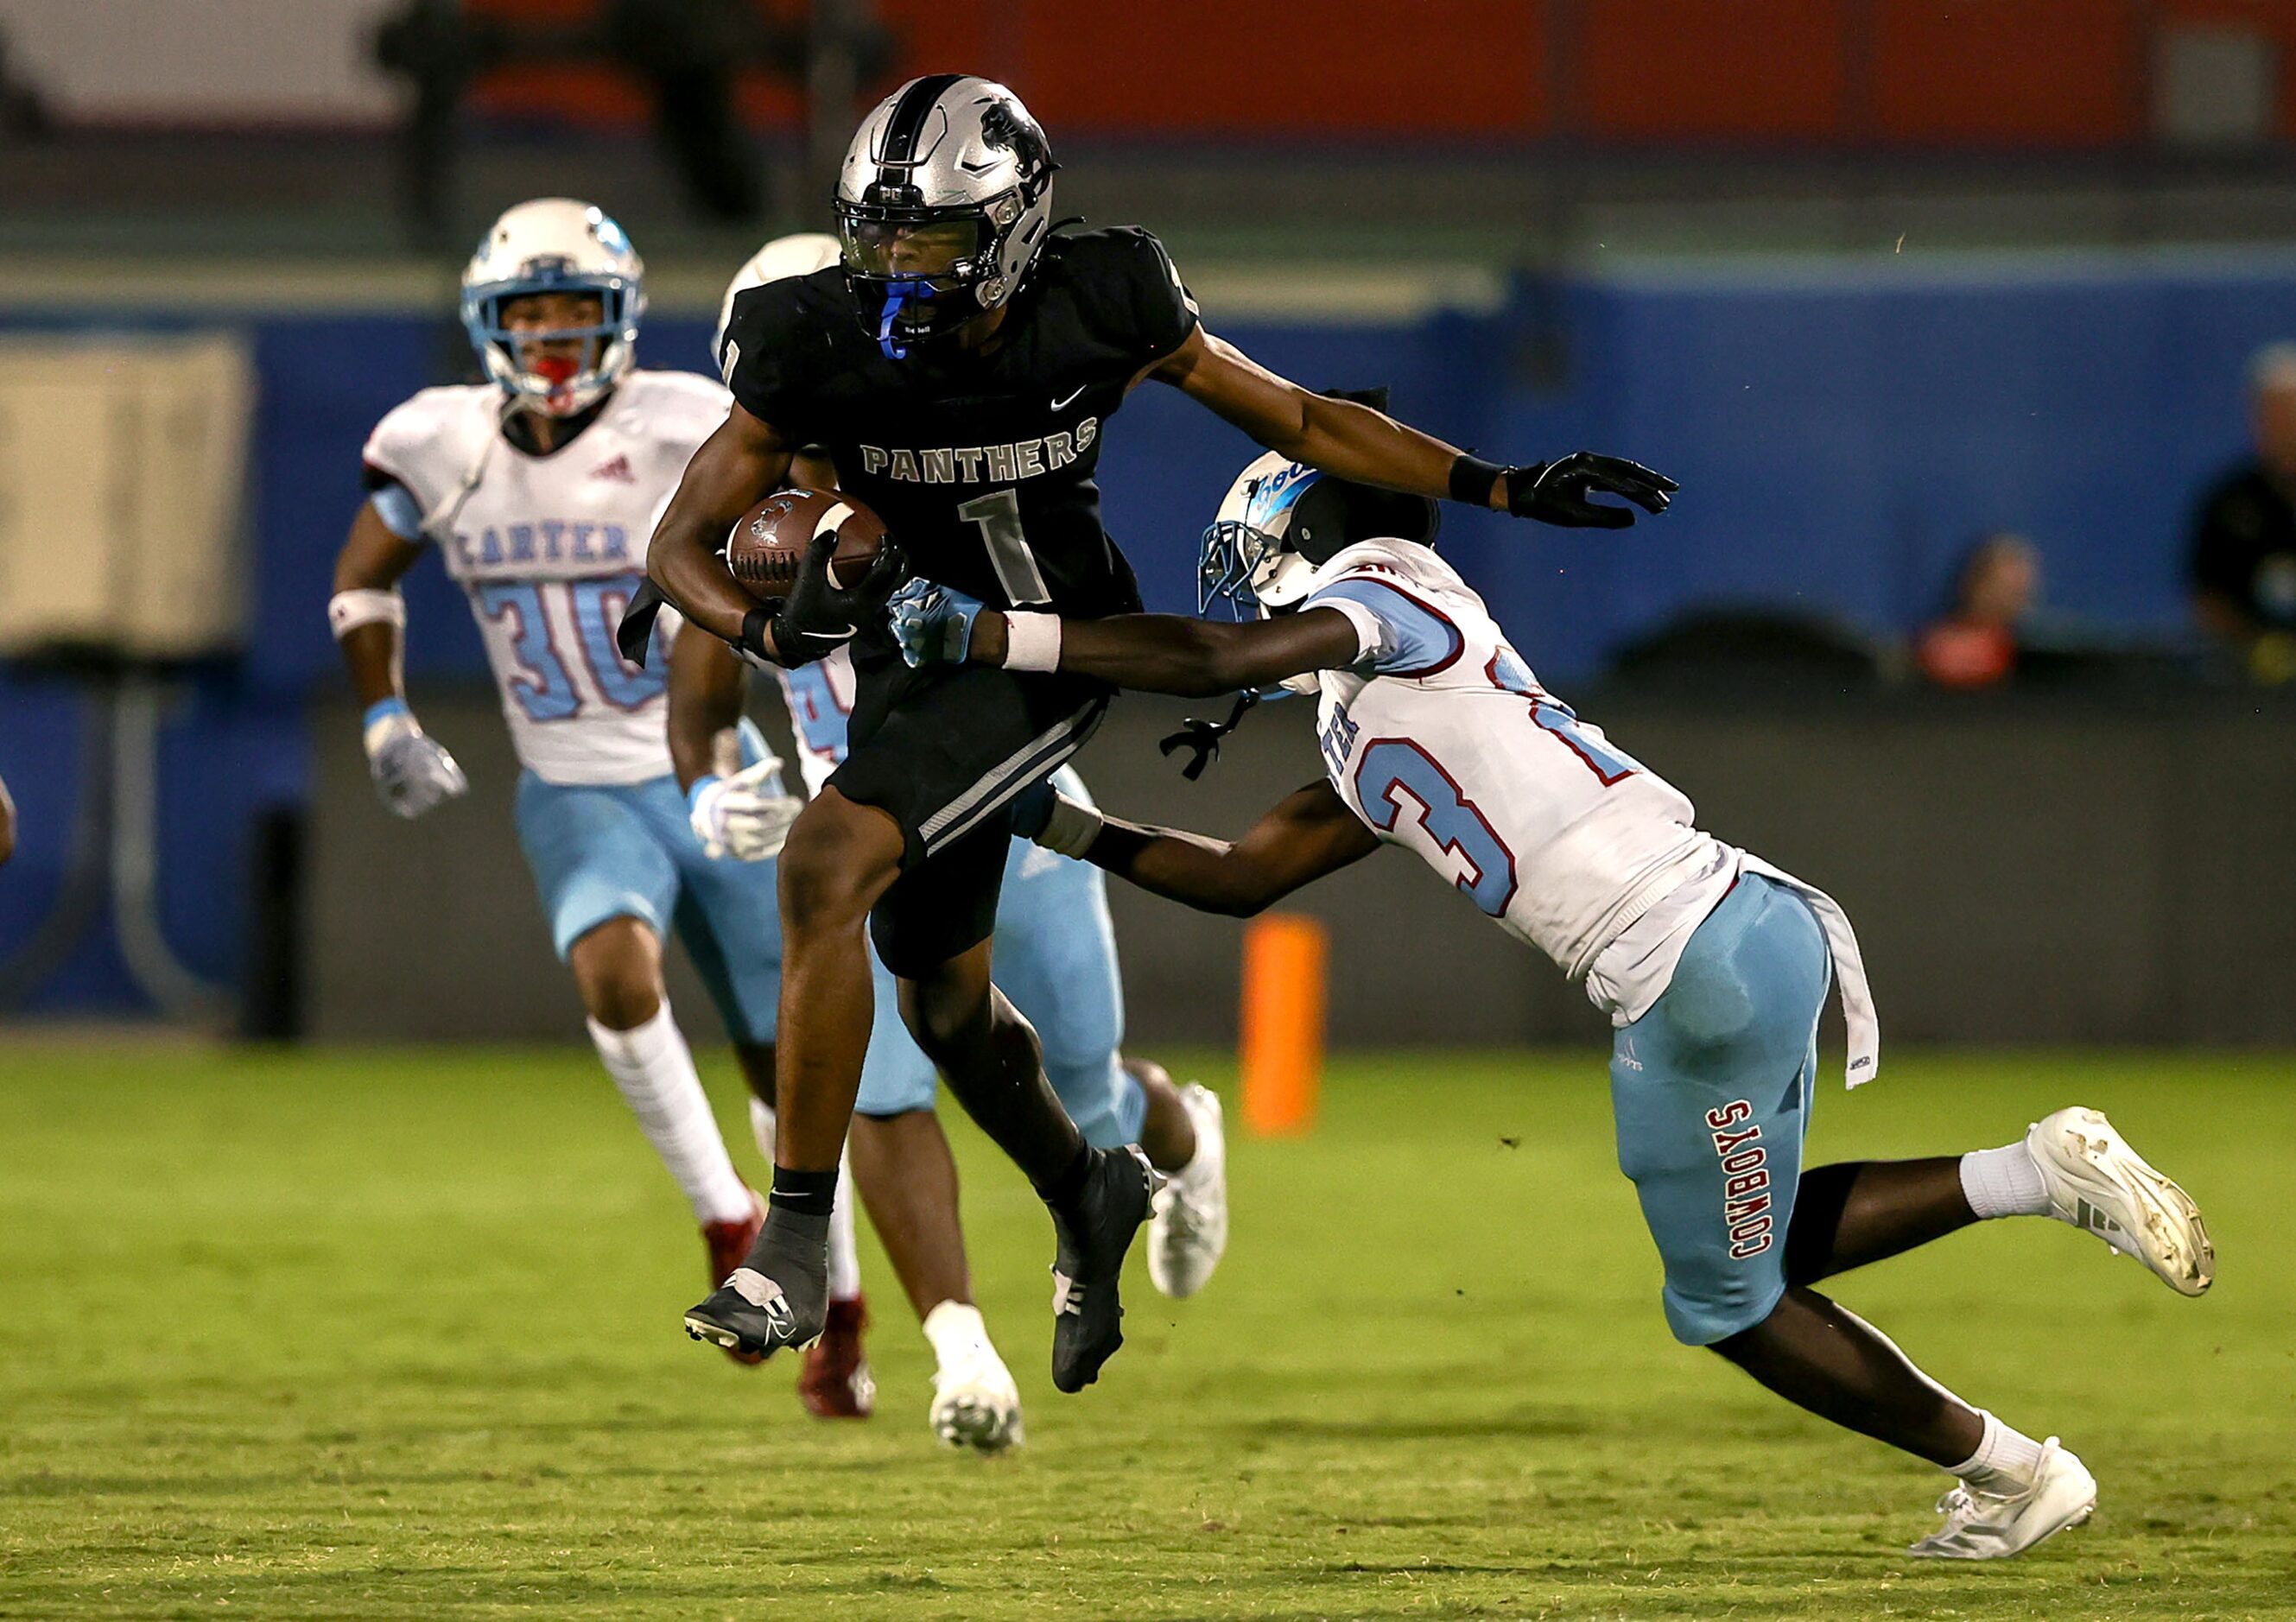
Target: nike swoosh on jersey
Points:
(1060, 405)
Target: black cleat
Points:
(1093, 1235)
(749, 1316)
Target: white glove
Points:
(746, 817)
(411, 771)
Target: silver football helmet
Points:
(943, 205)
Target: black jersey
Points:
(981, 465)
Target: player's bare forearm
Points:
(736, 467)
(1337, 436)
(1308, 834)
(706, 685)
(1190, 658)
(7, 825)
(374, 559)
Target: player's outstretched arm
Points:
(411, 771)
(1146, 652)
(1307, 835)
(1357, 442)
(736, 468)
(1337, 436)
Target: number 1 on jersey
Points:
(998, 514)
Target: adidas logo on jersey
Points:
(618, 469)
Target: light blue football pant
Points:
(1054, 955)
(626, 850)
(1711, 1092)
(603, 851)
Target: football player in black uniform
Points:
(959, 366)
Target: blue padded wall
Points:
(1841, 434)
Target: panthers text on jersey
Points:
(982, 465)
(550, 550)
(1442, 741)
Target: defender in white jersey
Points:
(1711, 963)
(538, 489)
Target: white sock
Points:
(654, 1069)
(761, 1127)
(844, 1253)
(955, 1328)
(844, 1249)
(2006, 1462)
(2004, 1181)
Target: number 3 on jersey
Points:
(1390, 770)
(998, 514)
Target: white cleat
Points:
(1984, 1526)
(975, 1403)
(1188, 1231)
(2101, 1185)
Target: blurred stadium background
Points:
(1873, 278)
(1876, 280)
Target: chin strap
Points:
(1203, 737)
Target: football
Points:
(764, 549)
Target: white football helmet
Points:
(556, 244)
(1281, 521)
(785, 255)
(1243, 562)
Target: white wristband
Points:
(1071, 828)
(1032, 642)
(349, 611)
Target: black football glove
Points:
(1555, 492)
(817, 618)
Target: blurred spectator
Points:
(2243, 566)
(23, 110)
(1976, 643)
(688, 54)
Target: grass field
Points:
(395, 1335)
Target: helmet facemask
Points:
(554, 245)
(1283, 521)
(560, 370)
(921, 273)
